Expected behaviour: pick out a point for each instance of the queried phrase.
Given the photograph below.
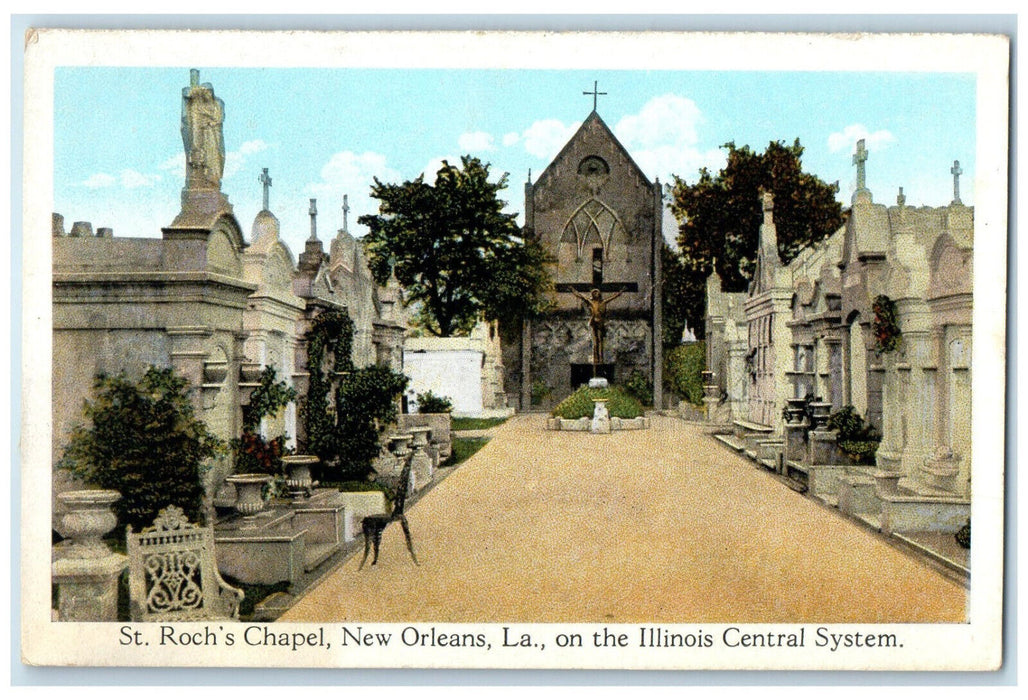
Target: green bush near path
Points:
(581, 404)
(683, 371)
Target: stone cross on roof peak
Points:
(859, 158)
(595, 93)
(901, 199)
(956, 172)
(313, 211)
(265, 180)
(767, 204)
(346, 211)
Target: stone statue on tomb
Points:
(597, 306)
(202, 117)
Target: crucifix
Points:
(595, 301)
(346, 210)
(956, 172)
(595, 93)
(859, 158)
(265, 180)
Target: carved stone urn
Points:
(399, 444)
(249, 492)
(87, 520)
(299, 466)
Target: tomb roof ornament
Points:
(956, 172)
(203, 115)
(265, 181)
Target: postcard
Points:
(514, 350)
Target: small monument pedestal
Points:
(85, 570)
(601, 417)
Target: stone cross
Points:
(265, 180)
(314, 219)
(901, 199)
(595, 93)
(346, 210)
(767, 204)
(956, 172)
(859, 158)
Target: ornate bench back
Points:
(173, 575)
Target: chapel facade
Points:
(599, 218)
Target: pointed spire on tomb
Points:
(346, 212)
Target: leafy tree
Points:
(144, 441)
(676, 293)
(453, 250)
(720, 216)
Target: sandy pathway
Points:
(662, 525)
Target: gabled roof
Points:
(593, 119)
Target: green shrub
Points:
(476, 423)
(580, 404)
(639, 387)
(145, 442)
(540, 392)
(683, 371)
(430, 403)
(856, 438)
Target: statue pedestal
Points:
(601, 417)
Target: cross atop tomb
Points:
(859, 158)
(956, 172)
(313, 211)
(595, 93)
(265, 180)
(346, 211)
(901, 199)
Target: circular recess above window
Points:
(593, 165)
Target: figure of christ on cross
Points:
(597, 309)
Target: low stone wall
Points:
(585, 424)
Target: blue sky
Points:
(327, 132)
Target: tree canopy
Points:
(453, 249)
(720, 215)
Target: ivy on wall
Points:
(254, 453)
(885, 325)
(344, 433)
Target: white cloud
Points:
(351, 174)
(664, 120)
(98, 180)
(663, 138)
(476, 141)
(176, 162)
(848, 137)
(254, 146)
(545, 138)
(511, 138)
(131, 179)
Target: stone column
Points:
(85, 571)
